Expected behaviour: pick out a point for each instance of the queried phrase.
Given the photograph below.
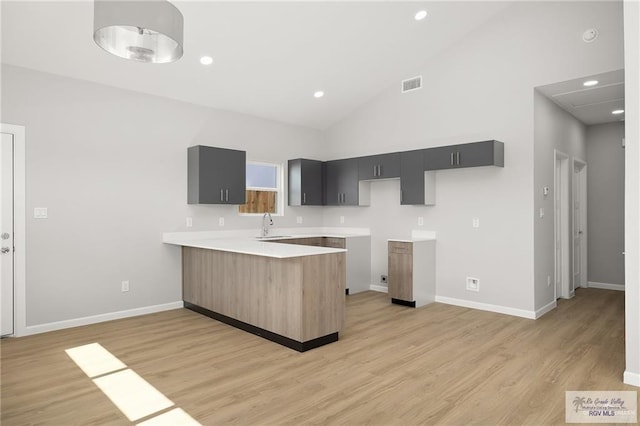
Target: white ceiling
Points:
(269, 57)
(591, 105)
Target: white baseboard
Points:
(487, 307)
(632, 379)
(540, 312)
(605, 286)
(380, 288)
(94, 319)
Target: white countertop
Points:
(416, 236)
(257, 248)
(245, 241)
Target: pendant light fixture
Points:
(140, 30)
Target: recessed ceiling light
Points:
(206, 60)
(420, 15)
(590, 83)
(617, 111)
(318, 94)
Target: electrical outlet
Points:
(476, 222)
(298, 219)
(189, 222)
(221, 221)
(125, 286)
(420, 221)
(473, 284)
(341, 219)
(383, 279)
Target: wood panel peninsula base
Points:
(298, 302)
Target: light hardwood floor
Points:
(437, 364)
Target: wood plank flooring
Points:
(437, 364)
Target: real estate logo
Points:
(601, 406)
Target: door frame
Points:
(19, 227)
(579, 171)
(561, 187)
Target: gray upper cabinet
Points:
(383, 166)
(485, 153)
(216, 175)
(341, 182)
(305, 182)
(412, 179)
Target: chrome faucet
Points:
(265, 228)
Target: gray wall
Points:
(605, 211)
(554, 129)
(480, 88)
(110, 166)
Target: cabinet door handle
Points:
(221, 195)
(226, 195)
(375, 171)
(304, 198)
(452, 161)
(458, 158)
(379, 170)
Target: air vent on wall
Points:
(414, 83)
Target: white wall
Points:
(632, 190)
(605, 211)
(480, 88)
(554, 129)
(110, 166)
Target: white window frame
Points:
(279, 190)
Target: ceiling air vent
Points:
(414, 83)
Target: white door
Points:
(557, 221)
(6, 235)
(577, 230)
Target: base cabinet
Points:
(358, 257)
(412, 272)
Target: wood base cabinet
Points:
(298, 302)
(412, 272)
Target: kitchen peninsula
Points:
(291, 294)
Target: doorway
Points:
(561, 225)
(6, 234)
(12, 230)
(579, 195)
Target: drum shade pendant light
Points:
(140, 30)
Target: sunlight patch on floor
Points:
(95, 360)
(133, 395)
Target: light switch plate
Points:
(298, 219)
(189, 222)
(341, 219)
(40, 213)
(420, 221)
(221, 221)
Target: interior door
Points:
(577, 230)
(558, 228)
(6, 235)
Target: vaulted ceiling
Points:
(268, 57)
